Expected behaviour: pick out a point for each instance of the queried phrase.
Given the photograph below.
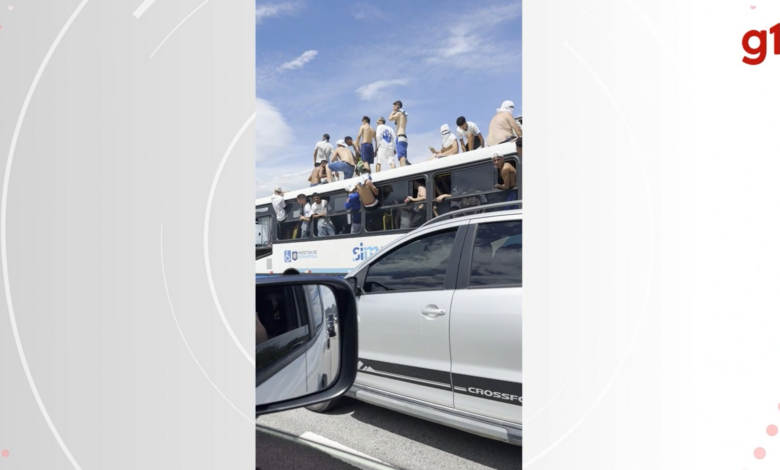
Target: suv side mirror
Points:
(357, 290)
(306, 341)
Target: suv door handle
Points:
(432, 311)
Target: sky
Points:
(322, 66)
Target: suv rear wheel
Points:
(324, 406)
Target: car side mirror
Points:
(356, 289)
(306, 341)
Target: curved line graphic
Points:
(646, 297)
(3, 226)
(177, 27)
(249, 121)
(173, 312)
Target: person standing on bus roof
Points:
(351, 145)
(319, 212)
(353, 205)
(503, 127)
(469, 135)
(366, 139)
(342, 160)
(449, 144)
(508, 176)
(305, 216)
(398, 116)
(385, 137)
(323, 149)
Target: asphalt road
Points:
(397, 439)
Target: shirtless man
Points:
(508, 175)
(366, 140)
(367, 191)
(503, 126)
(342, 160)
(398, 116)
(319, 174)
(449, 144)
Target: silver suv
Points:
(440, 323)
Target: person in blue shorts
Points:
(399, 117)
(366, 139)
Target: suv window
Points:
(497, 259)
(418, 265)
(284, 321)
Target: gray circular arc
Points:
(206, 238)
(186, 344)
(3, 227)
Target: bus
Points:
(468, 178)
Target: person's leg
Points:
(355, 227)
(401, 147)
(349, 171)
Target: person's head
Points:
(348, 140)
(498, 160)
(351, 188)
(507, 106)
(341, 143)
(461, 122)
(366, 120)
(326, 137)
(380, 121)
(301, 199)
(416, 184)
(278, 190)
(323, 162)
(397, 105)
(316, 198)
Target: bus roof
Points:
(477, 155)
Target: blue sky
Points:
(321, 66)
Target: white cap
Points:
(497, 155)
(507, 104)
(278, 189)
(445, 127)
(350, 187)
(341, 142)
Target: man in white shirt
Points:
(277, 202)
(469, 135)
(385, 137)
(319, 212)
(305, 216)
(323, 149)
(449, 144)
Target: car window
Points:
(417, 265)
(315, 303)
(497, 259)
(282, 324)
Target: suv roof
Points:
(476, 212)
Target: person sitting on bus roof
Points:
(503, 127)
(366, 139)
(469, 135)
(323, 149)
(318, 175)
(353, 205)
(305, 216)
(507, 174)
(449, 144)
(342, 160)
(319, 212)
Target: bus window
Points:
(394, 212)
(339, 215)
(290, 227)
(463, 188)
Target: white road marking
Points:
(310, 436)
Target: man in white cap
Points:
(323, 149)
(277, 202)
(342, 161)
(385, 137)
(449, 144)
(503, 127)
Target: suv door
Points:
(404, 316)
(486, 321)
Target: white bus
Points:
(469, 178)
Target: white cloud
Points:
(298, 62)
(275, 9)
(272, 133)
(365, 11)
(293, 180)
(370, 91)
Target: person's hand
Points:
(441, 198)
(498, 186)
(433, 150)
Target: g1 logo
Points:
(760, 51)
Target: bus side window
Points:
(288, 229)
(394, 213)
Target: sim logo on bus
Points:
(362, 253)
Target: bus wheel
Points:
(289, 271)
